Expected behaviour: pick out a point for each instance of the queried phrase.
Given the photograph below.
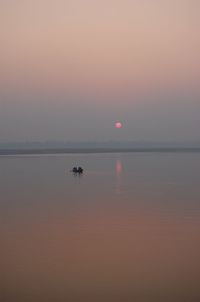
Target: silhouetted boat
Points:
(78, 170)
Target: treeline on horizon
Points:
(96, 145)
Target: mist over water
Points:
(128, 228)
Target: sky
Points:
(70, 69)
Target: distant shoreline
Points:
(48, 151)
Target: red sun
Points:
(118, 125)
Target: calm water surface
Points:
(126, 230)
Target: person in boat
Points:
(80, 170)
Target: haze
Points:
(70, 69)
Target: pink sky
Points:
(89, 45)
(98, 50)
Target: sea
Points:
(127, 229)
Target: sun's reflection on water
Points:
(118, 173)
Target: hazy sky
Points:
(70, 69)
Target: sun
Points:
(118, 125)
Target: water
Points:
(126, 230)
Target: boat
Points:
(78, 170)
